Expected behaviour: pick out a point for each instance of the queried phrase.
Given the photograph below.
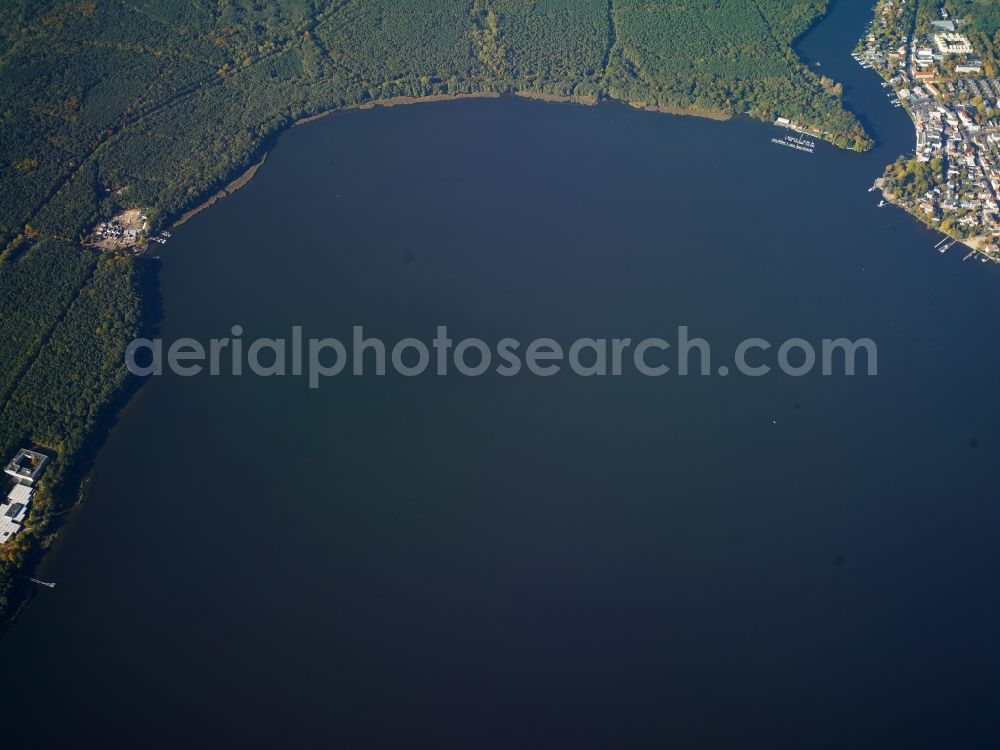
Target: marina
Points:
(937, 76)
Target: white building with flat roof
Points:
(20, 494)
(14, 510)
(968, 68)
(27, 466)
(952, 44)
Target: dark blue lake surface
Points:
(510, 562)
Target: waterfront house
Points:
(27, 466)
(14, 510)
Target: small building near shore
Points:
(27, 466)
(14, 510)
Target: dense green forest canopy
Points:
(113, 104)
(983, 16)
(980, 20)
(67, 316)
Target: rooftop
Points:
(13, 511)
(20, 494)
(27, 465)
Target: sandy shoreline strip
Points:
(229, 189)
(396, 101)
(541, 96)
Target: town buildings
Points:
(956, 114)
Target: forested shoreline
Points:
(68, 315)
(159, 104)
(204, 91)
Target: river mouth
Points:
(503, 561)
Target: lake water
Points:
(512, 562)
